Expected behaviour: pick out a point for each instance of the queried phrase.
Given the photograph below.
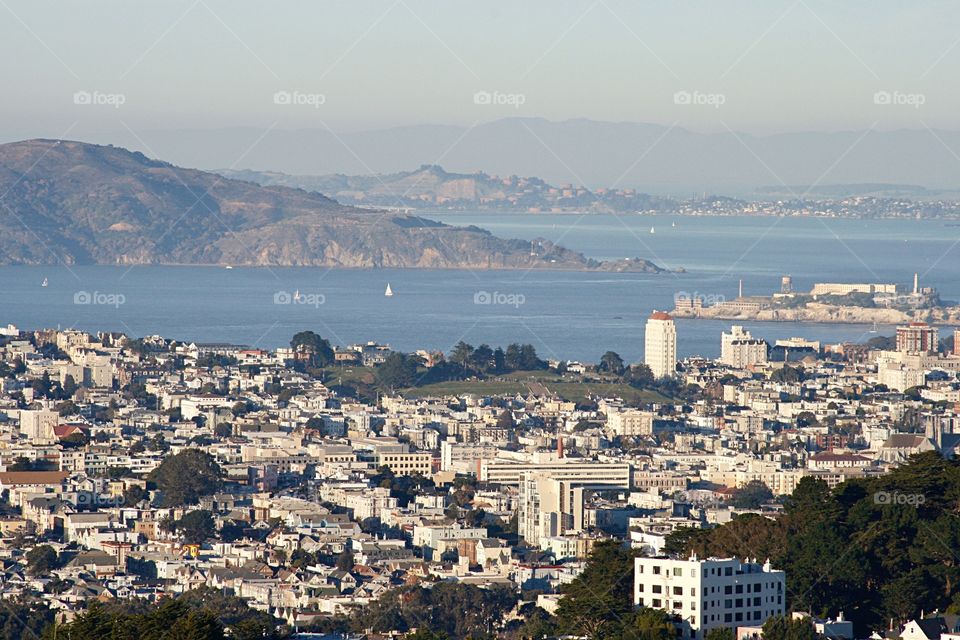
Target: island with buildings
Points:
(826, 302)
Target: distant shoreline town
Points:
(432, 189)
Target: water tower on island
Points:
(786, 284)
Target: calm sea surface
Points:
(564, 314)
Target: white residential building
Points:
(712, 593)
(660, 345)
(740, 349)
(548, 507)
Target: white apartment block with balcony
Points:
(739, 349)
(712, 593)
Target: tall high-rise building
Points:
(660, 345)
(917, 337)
(548, 507)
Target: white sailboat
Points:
(389, 291)
(652, 230)
(44, 283)
(296, 295)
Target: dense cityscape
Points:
(311, 492)
(428, 320)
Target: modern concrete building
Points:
(590, 475)
(711, 593)
(548, 507)
(660, 345)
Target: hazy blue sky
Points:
(772, 65)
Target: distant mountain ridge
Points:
(431, 187)
(651, 158)
(82, 203)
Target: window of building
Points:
(678, 591)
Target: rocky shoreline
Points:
(824, 313)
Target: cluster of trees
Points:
(398, 371)
(195, 526)
(202, 614)
(751, 495)
(598, 604)
(186, 476)
(876, 549)
(24, 619)
(454, 610)
(316, 351)
(44, 387)
(484, 359)
(404, 488)
(42, 559)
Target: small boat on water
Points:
(45, 283)
(652, 230)
(228, 267)
(389, 291)
(296, 295)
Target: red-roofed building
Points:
(64, 430)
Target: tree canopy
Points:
(315, 349)
(186, 476)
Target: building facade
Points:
(917, 337)
(739, 349)
(660, 345)
(709, 594)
